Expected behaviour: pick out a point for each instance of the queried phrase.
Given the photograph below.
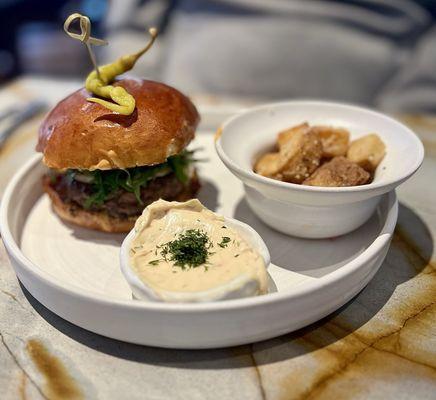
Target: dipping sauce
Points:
(184, 247)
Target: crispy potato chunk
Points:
(367, 151)
(338, 172)
(302, 152)
(285, 136)
(334, 141)
(270, 164)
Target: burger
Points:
(104, 168)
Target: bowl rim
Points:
(252, 176)
(300, 290)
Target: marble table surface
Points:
(381, 345)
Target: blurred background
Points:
(380, 53)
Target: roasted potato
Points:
(367, 151)
(270, 164)
(302, 153)
(302, 149)
(334, 141)
(285, 136)
(338, 172)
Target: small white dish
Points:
(310, 211)
(238, 288)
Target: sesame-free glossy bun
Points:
(79, 134)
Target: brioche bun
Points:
(79, 134)
(100, 220)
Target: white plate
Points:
(75, 272)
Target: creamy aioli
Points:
(234, 262)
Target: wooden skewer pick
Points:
(84, 36)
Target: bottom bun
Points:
(100, 220)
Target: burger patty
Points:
(121, 203)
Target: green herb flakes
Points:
(224, 242)
(189, 250)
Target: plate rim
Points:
(300, 290)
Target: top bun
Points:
(79, 134)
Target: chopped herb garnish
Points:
(224, 227)
(236, 255)
(224, 242)
(190, 249)
(154, 262)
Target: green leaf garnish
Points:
(105, 183)
(224, 242)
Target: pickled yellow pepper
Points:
(125, 102)
(98, 81)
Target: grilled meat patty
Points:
(121, 203)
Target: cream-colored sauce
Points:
(102, 164)
(163, 221)
(112, 161)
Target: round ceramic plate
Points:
(75, 272)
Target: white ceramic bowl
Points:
(240, 287)
(309, 211)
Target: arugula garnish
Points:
(104, 183)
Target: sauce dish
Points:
(240, 286)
